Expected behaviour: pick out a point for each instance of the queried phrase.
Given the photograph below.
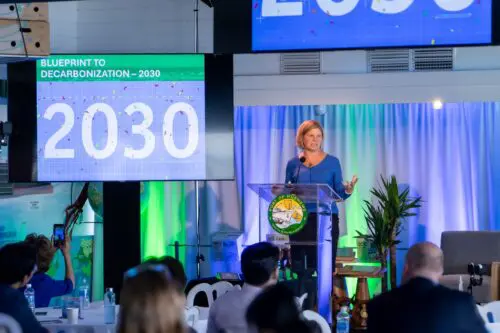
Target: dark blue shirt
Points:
(14, 304)
(46, 288)
(328, 171)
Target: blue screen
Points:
(59, 234)
(343, 24)
(131, 117)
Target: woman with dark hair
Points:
(174, 266)
(46, 287)
(276, 311)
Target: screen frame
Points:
(219, 102)
(233, 32)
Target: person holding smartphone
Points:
(45, 286)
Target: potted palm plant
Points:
(385, 221)
(397, 206)
(378, 235)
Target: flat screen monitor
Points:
(122, 117)
(279, 25)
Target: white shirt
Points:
(228, 313)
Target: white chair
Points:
(201, 326)
(494, 309)
(200, 288)
(222, 287)
(9, 324)
(314, 316)
(482, 312)
(493, 328)
(192, 315)
(204, 311)
(300, 301)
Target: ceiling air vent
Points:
(410, 60)
(300, 63)
(433, 59)
(383, 61)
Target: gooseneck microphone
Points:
(302, 159)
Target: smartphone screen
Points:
(58, 234)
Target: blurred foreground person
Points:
(17, 262)
(151, 302)
(421, 304)
(276, 311)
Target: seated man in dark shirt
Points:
(421, 305)
(17, 262)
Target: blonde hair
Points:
(305, 128)
(151, 303)
(45, 251)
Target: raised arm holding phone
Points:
(46, 287)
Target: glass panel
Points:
(306, 262)
(309, 193)
(325, 265)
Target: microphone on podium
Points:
(302, 159)
(295, 179)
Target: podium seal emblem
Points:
(287, 214)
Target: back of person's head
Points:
(174, 266)
(44, 249)
(259, 264)
(151, 302)
(425, 260)
(17, 262)
(275, 310)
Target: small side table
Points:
(362, 296)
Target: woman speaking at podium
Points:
(314, 166)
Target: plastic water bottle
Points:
(461, 284)
(109, 306)
(64, 306)
(84, 293)
(29, 293)
(343, 319)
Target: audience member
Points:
(46, 287)
(259, 265)
(151, 302)
(174, 266)
(276, 311)
(421, 304)
(176, 269)
(17, 262)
